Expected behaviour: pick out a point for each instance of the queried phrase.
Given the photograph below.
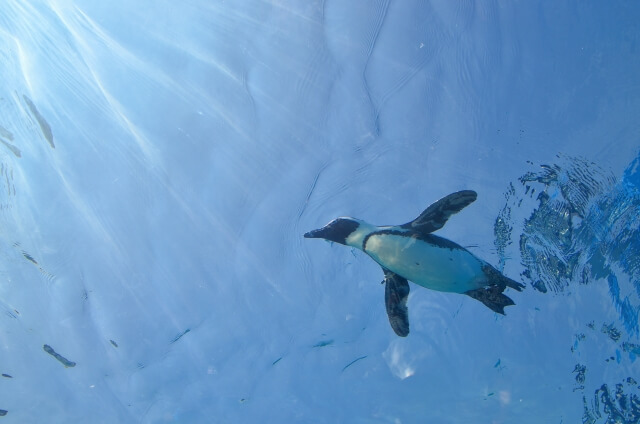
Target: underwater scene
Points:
(279, 211)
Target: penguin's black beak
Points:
(337, 230)
(319, 233)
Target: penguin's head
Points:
(337, 230)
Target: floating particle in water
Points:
(489, 395)
(611, 331)
(353, 362)
(64, 361)
(179, 336)
(323, 343)
(499, 365)
(44, 125)
(579, 337)
(580, 371)
(29, 257)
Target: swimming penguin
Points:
(411, 252)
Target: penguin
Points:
(410, 252)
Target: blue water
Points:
(160, 164)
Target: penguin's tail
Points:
(491, 295)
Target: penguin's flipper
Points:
(396, 292)
(435, 216)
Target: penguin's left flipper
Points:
(435, 216)
(396, 291)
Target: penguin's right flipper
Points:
(435, 216)
(396, 291)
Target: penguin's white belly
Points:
(426, 264)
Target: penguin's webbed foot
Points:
(492, 297)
